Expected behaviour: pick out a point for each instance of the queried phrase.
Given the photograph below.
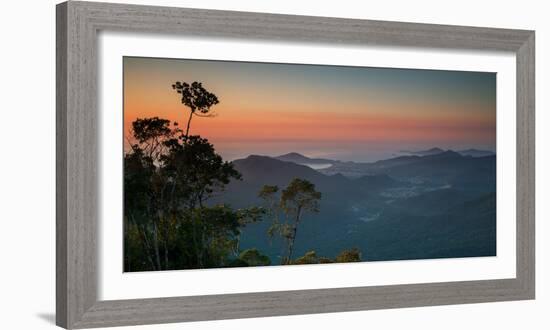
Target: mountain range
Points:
(427, 160)
(436, 205)
(434, 151)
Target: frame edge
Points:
(76, 298)
(61, 289)
(525, 216)
(76, 164)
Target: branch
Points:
(206, 115)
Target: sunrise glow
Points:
(353, 113)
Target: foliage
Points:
(294, 201)
(197, 99)
(325, 260)
(300, 196)
(195, 171)
(253, 257)
(353, 255)
(168, 178)
(150, 129)
(310, 257)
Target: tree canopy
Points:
(170, 178)
(197, 98)
(293, 202)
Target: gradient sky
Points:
(346, 113)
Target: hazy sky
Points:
(347, 113)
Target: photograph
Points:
(241, 164)
(246, 165)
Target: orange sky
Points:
(351, 113)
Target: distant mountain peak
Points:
(295, 157)
(476, 152)
(292, 154)
(269, 170)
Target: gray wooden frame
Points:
(77, 149)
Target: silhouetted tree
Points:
(168, 179)
(143, 184)
(295, 200)
(197, 99)
(195, 172)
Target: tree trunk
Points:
(294, 231)
(144, 240)
(147, 248)
(188, 125)
(165, 244)
(237, 244)
(156, 245)
(195, 242)
(291, 245)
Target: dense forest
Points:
(172, 218)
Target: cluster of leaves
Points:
(168, 179)
(197, 99)
(288, 208)
(250, 257)
(310, 257)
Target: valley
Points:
(435, 205)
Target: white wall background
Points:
(27, 163)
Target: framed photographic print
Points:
(216, 165)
